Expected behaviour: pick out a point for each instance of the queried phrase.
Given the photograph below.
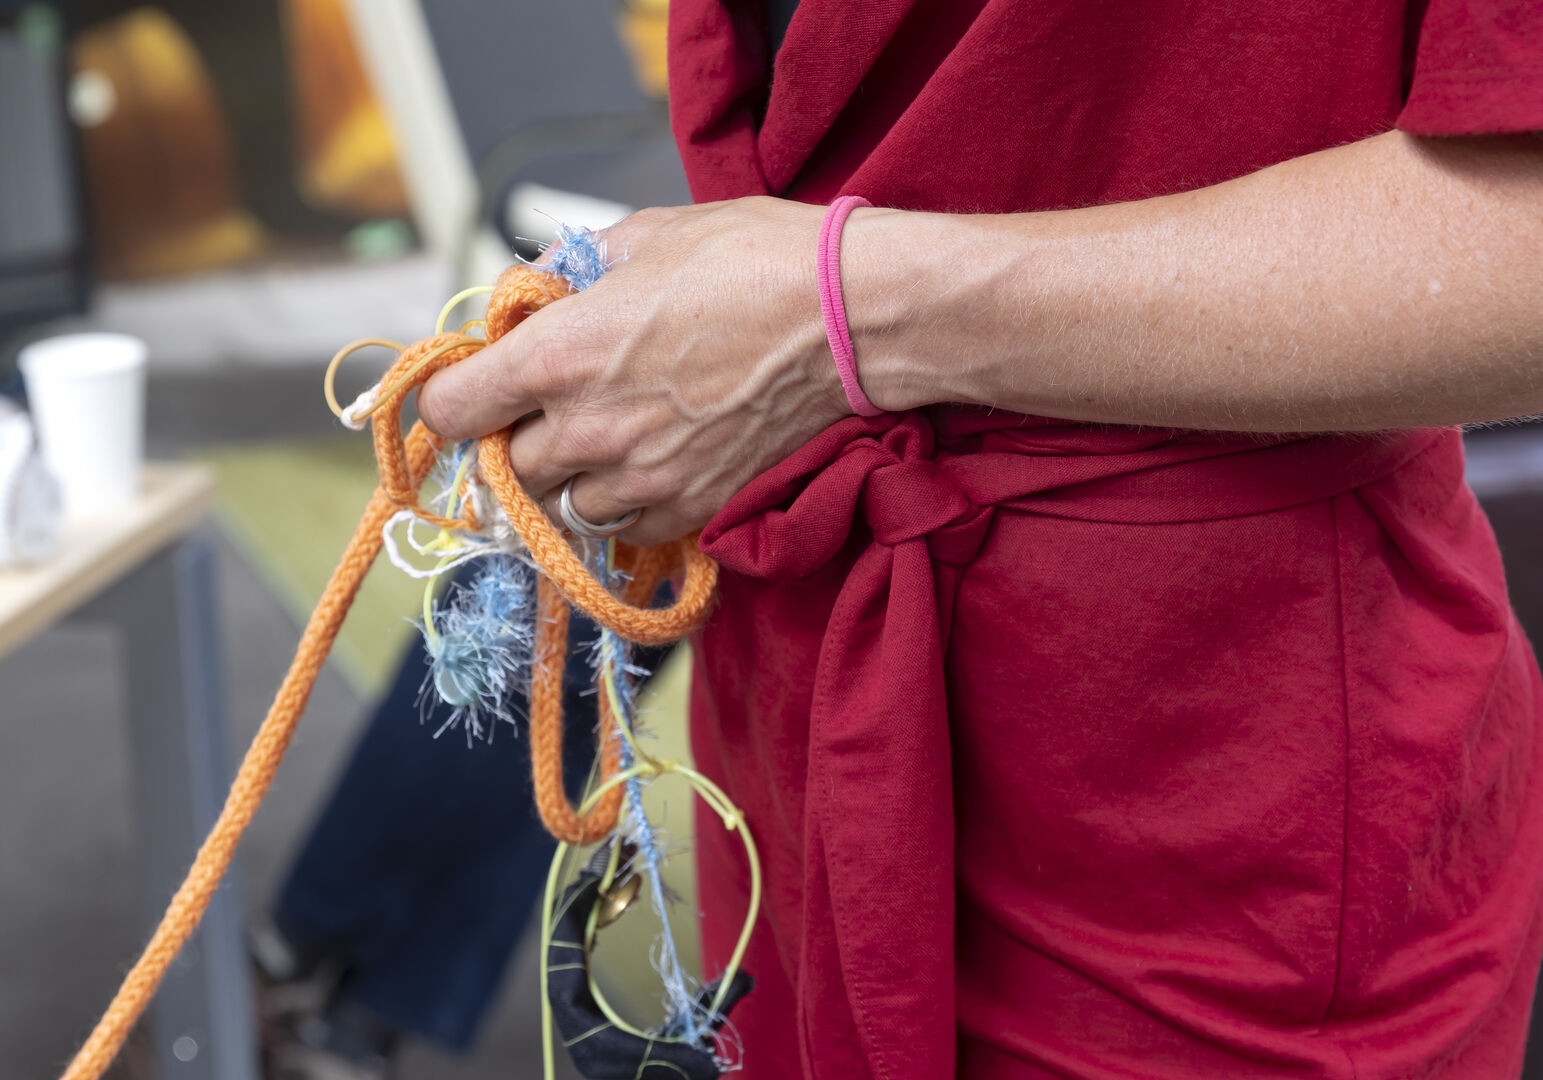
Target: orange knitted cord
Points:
(403, 464)
(546, 733)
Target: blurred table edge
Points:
(97, 551)
(147, 571)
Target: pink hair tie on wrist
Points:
(827, 268)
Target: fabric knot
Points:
(916, 498)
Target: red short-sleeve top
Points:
(1003, 105)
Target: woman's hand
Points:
(695, 363)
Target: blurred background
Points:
(245, 185)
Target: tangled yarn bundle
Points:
(563, 580)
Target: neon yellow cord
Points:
(548, 1063)
(733, 820)
(330, 376)
(446, 543)
(444, 312)
(428, 609)
(645, 766)
(329, 379)
(386, 393)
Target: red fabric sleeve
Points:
(1478, 69)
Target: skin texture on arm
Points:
(1392, 283)
(1395, 282)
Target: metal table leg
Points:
(202, 1020)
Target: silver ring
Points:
(579, 525)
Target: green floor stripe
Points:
(291, 507)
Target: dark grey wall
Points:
(512, 66)
(508, 62)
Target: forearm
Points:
(1391, 283)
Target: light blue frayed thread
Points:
(686, 1019)
(486, 634)
(444, 471)
(482, 647)
(578, 255)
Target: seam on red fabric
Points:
(806, 1044)
(1344, 684)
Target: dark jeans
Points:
(427, 861)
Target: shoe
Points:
(299, 1062)
(290, 983)
(309, 1028)
(346, 1042)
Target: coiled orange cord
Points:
(403, 464)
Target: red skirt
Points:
(1102, 753)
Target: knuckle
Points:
(586, 443)
(548, 369)
(639, 487)
(654, 528)
(435, 409)
(486, 375)
(647, 216)
(650, 221)
(525, 458)
(561, 357)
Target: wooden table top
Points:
(96, 552)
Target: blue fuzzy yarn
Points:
(483, 633)
(686, 1020)
(481, 647)
(504, 588)
(578, 255)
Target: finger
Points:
(533, 458)
(483, 393)
(547, 449)
(596, 498)
(656, 526)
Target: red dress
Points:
(1093, 752)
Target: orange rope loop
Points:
(403, 464)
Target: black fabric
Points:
(779, 13)
(599, 1050)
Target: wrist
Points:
(914, 285)
(879, 275)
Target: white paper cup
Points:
(87, 396)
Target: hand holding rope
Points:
(403, 464)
